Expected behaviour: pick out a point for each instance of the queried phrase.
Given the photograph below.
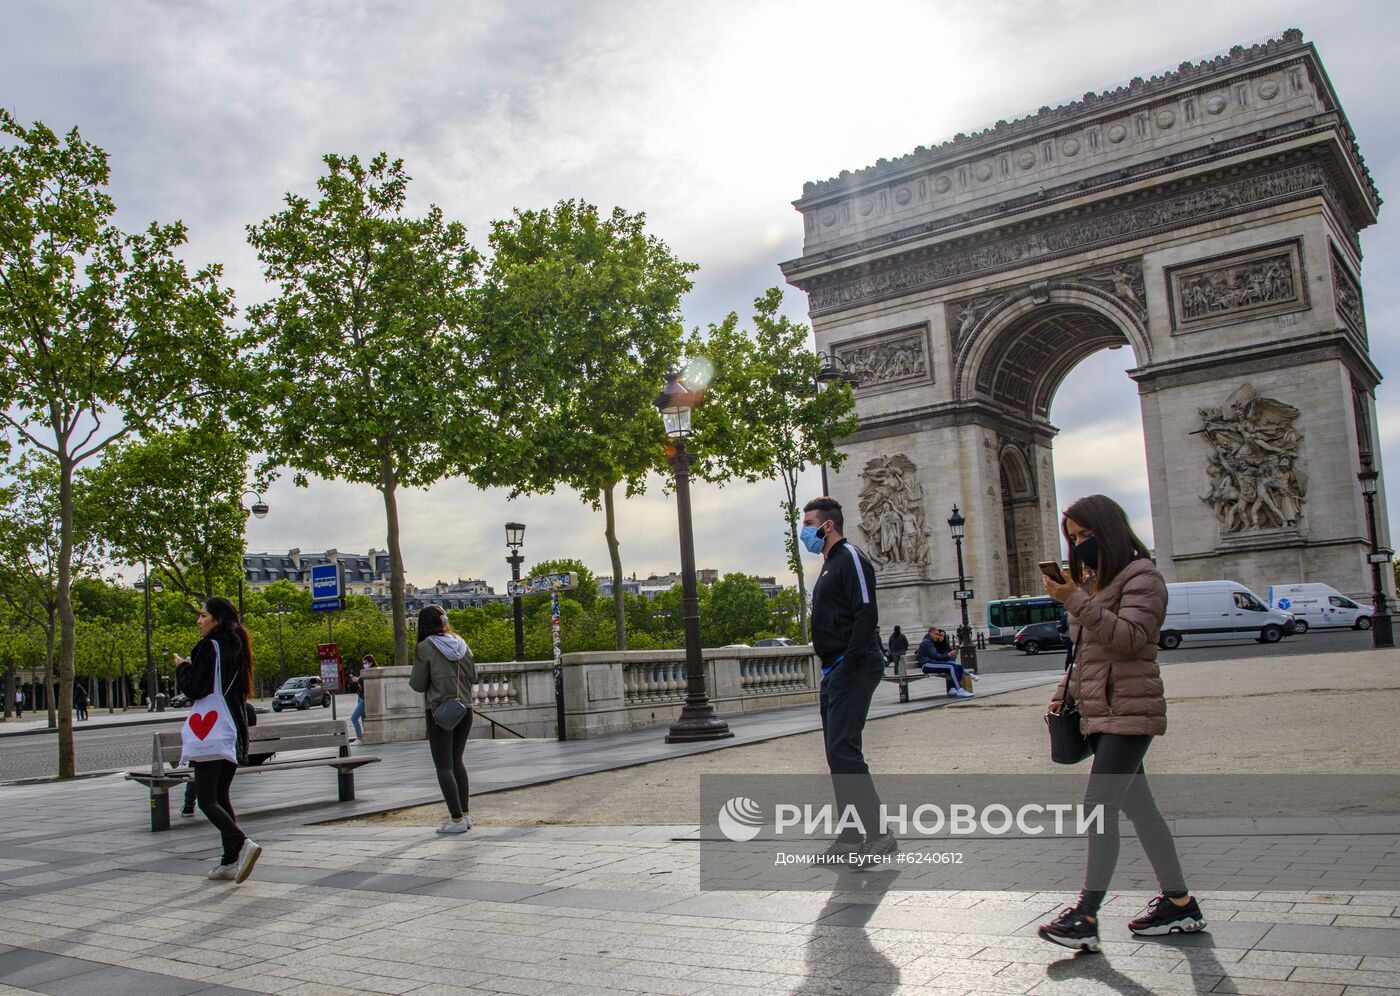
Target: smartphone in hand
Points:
(1051, 569)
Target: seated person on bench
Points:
(936, 656)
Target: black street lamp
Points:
(147, 584)
(698, 720)
(1382, 635)
(515, 538)
(833, 368)
(258, 510)
(957, 525)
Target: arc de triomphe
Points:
(1206, 219)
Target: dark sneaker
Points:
(876, 851)
(1071, 929)
(186, 810)
(842, 850)
(1165, 917)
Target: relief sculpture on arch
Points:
(1255, 480)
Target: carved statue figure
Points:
(1254, 477)
(892, 512)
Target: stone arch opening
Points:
(1019, 520)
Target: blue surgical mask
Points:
(813, 538)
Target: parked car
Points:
(300, 693)
(1039, 636)
(777, 641)
(1318, 605)
(179, 701)
(1201, 611)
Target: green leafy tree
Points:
(786, 609)
(585, 591)
(172, 500)
(102, 333)
(581, 316)
(763, 416)
(738, 612)
(367, 356)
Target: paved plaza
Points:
(92, 902)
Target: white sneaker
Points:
(449, 826)
(247, 858)
(223, 873)
(960, 693)
(974, 677)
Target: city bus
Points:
(1006, 615)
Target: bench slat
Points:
(181, 775)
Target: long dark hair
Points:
(235, 634)
(1118, 544)
(432, 621)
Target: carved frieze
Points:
(957, 264)
(1255, 480)
(1347, 293)
(888, 361)
(1256, 284)
(892, 518)
(1126, 283)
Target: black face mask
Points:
(1088, 553)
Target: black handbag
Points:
(1067, 744)
(451, 712)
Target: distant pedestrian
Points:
(845, 637)
(899, 646)
(1116, 601)
(218, 678)
(80, 701)
(358, 687)
(19, 703)
(444, 669)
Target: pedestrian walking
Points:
(444, 670)
(1116, 601)
(358, 715)
(19, 703)
(80, 701)
(899, 646)
(218, 678)
(845, 637)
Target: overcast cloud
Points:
(709, 117)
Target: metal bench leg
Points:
(904, 691)
(345, 781)
(160, 810)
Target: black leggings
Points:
(212, 780)
(447, 747)
(1118, 782)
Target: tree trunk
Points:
(389, 487)
(9, 689)
(794, 546)
(67, 628)
(619, 604)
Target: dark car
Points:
(776, 641)
(300, 693)
(1036, 637)
(179, 701)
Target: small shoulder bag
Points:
(1067, 744)
(452, 711)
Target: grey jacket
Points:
(442, 664)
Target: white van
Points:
(1318, 605)
(1213, 611)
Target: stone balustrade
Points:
(605, 692)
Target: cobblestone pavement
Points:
(91, 902)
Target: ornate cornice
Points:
(1174, 206)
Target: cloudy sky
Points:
(707, 116)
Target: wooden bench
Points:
(277, 738)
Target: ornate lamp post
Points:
(698, 720)
(515, 538)
(833, 368)
(957, 525)
(1382, 635)
(258, 510)
(147, 584)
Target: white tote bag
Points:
(209, 734)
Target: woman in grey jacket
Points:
(443, 668)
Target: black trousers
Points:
(1118, 782)
(447, 747)
(212, 781)
(845, 703)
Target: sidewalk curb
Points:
(121, 724)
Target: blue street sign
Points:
(325, 583)
(328, 605)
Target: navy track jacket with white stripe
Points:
(845, 619)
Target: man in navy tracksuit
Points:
(845, 636)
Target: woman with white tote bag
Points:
(217, 678)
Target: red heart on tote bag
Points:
(202, 723)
